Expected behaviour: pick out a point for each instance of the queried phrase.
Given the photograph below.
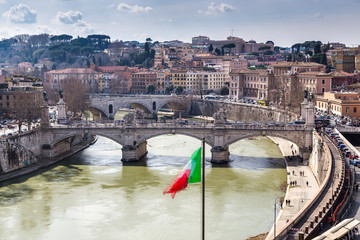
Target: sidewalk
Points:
(299, 194)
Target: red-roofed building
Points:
(341, 79)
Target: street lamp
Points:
(276, 199)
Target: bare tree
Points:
(180, 103)
(120, 82)
(76, 97)
(27, 106)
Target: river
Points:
(93, 195)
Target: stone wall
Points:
(242, 112)
(319, 161)
(14, 156)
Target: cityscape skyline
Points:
(281, 21)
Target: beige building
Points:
(253, 84)
(55, 79)
(340, 103)
(205, 80)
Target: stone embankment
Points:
(242, 112)
(28, 162)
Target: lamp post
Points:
(278, 198)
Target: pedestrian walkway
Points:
(298, 194)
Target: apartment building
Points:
(178, 78)
(56, 79)
(140, 80)
(340, 103)
(205, 81)
(253, 84)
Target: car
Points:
(10, 126)
(347, 153)
(341, 146)
(349, 124)
(183, 122)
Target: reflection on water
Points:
(93, 195)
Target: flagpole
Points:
(203, 190)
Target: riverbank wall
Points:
(20, 153)
(241, 111)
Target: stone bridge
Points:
(134, 138)
(108, 105)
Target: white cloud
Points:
(20, 13)
(69, 17)
(133, 9)
(217, 8)
(7, 32)
(84, 27)
(46, 29)
(318, 16)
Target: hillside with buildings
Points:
(241, 69)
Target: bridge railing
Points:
(180, 125)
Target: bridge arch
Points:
(189, 134)
(96, 110)
(295, 141)
(73, 134)
(134, 104)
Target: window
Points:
(323, 81)
(323, 90)
(355, 109)
(347, 110)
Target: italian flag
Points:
(191, 173)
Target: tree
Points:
(270, 42)
(310, 53)
(211, 48)
(268, 52)
(296, 46)
(120, 82)
(148, 40)
(98, 41)
(150, 88)
(169, 89)
(262, 48)
(228, 46)
(224, 90)
(317, 49)
(76, 96)
(218, 52)
(28, 106)
(179, 90)
(323, 59)
(180, 103)
(316, 58)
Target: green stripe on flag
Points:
(195, 174)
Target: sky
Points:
(285, 22)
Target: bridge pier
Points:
(219, 154)
(132, 153)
